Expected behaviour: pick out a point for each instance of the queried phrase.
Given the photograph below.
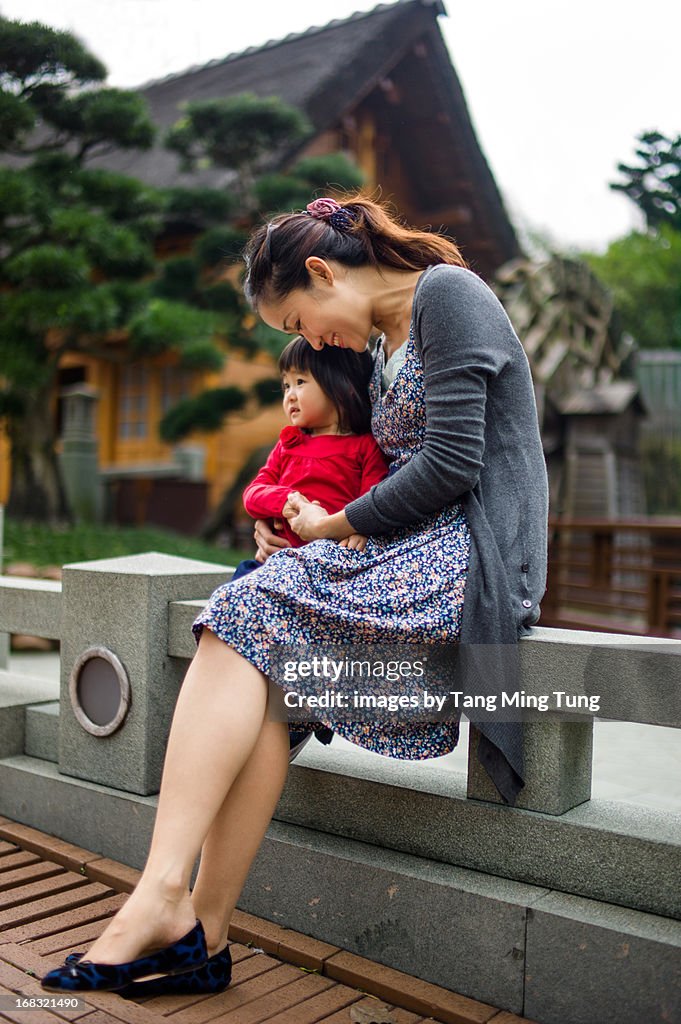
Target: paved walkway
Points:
(55, 899)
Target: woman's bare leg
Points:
(218, 718)
(237, 832)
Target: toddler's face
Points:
(306, 405)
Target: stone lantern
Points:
(79, 456)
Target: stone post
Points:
(118, 684)
(558, 751)
(558, 757)
(190, 460)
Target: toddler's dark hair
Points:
(343, 376)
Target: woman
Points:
(464, 515)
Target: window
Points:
(133, 402)
(175, 385)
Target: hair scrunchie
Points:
(332, 212)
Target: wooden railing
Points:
(615, 575)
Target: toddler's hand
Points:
(356, 542)
(290, 510)
(304, 515)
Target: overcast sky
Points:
(557, 89)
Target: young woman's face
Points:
(329, 312)
(306, 405)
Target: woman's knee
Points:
(209, 641)
(222, 663)
(213, 654)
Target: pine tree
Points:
(654, 184)
(77, 242)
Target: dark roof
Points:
(609, 398)
(328, 70)
(320, 71)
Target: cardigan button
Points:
(525, 567)
(527, 603)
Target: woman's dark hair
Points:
(343, 376)
(371, 235)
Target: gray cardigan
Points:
(483, 448)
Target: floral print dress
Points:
(407, 586)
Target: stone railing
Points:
(350, 828)
(136, 611)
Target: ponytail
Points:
(367, 234)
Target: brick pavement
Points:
(55, 898)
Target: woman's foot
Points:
(212, 977)
(77, 974)
(153, 917)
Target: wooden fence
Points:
(622, 576)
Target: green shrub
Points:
(43, 545)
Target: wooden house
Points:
(378, 85)
(597, 472)
(590, 409)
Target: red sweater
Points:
(332, 469)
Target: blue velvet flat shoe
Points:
(213, 977)
(81, 975)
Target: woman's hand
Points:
(304, 517)
(266, 541)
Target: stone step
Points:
(551, 956)
(42, 731)
(17, 693)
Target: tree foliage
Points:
(74, 240)
(204, 412)
(275, 192)
(643, 272)
(654, 183)
(643, 269)
(238, 134)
